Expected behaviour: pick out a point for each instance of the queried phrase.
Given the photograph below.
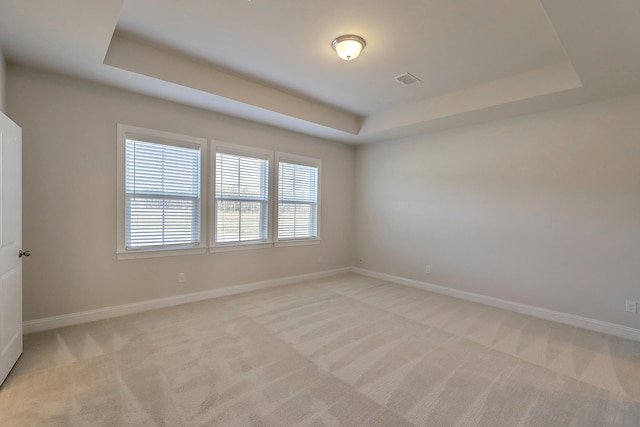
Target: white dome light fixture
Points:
(349, 46)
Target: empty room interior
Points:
(320, 213)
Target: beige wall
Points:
(542, 210)
(69, 192)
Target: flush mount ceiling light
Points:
(349, 46)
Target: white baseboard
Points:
(53, 322)
(542, 313)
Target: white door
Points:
(10, 245)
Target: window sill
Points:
(249, 246)
(239, 247)
(156, 253)
(301, 242)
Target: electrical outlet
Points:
(182, 278)
(632, 306)
(427, 269)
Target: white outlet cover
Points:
(632, 306)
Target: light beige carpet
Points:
(341, 351)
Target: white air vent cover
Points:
(407, 79)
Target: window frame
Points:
(247, 151)
(208, 204)
(303, 161)
(166, 138)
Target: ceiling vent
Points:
(407, 79)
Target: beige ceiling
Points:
(271, 60)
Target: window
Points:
(160, 191)
(258, 199)
(298, 189)
(241, 195)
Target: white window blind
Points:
(162, 195)
(242, 198)
(297, 201)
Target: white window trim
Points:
(241, 150)
(305, 161)
(232, 247)
(151, 135)
(298, 242)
